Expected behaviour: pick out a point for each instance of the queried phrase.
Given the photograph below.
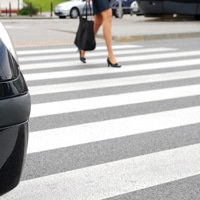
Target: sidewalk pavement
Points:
(127, 29)
(139, 28)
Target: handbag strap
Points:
(87, 7)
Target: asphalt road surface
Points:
(102, 133)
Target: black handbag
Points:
(85, 38)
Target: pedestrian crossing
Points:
(111, 129)
(98, 132)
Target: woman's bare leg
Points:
(98, 20)
(107, 31)
(104, 18)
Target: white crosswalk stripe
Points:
(129, 68)
(103, 106)
(45, 140)
(52, 108)
(95, 84)
(101, 61)
(92, 54)
(110, 179)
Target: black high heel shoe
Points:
(113, 65)
(82, 59)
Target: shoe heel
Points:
(82, 59)
(113, 65)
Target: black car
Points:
(126, 7)
(169, 7)
(15, 105)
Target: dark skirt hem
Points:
(100, 5)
